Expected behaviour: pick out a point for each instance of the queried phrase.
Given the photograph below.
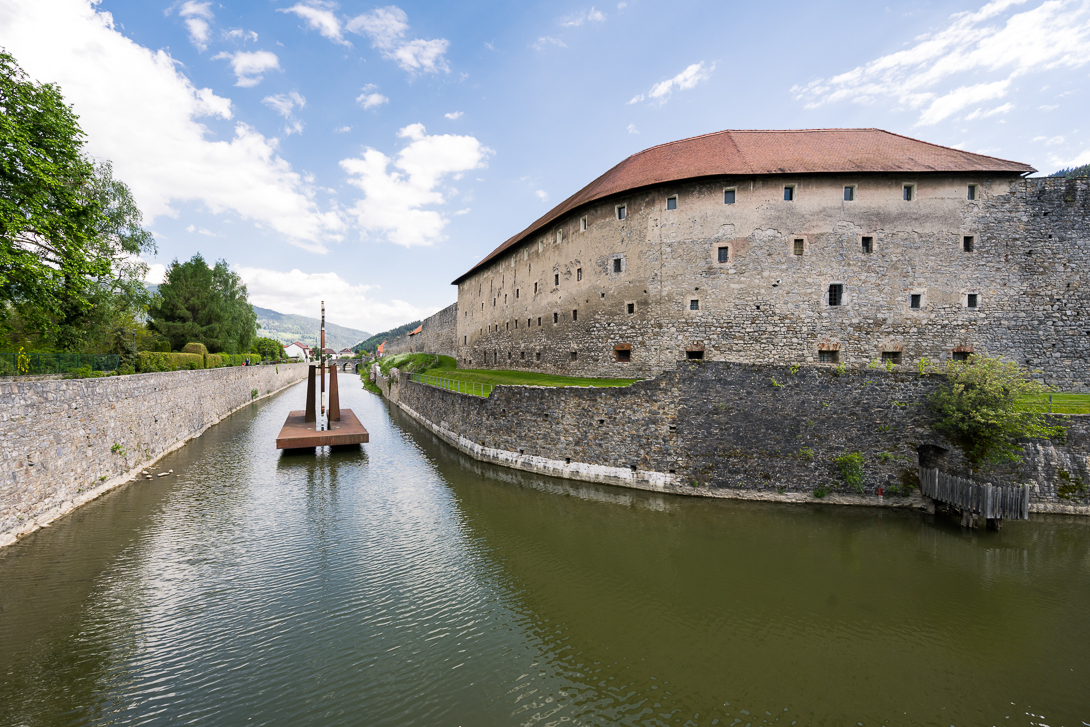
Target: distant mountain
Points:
(286, 327)
(1083, 171)
(372, 343)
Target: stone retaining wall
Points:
(437, 335)
(65, 442)
(724, 429)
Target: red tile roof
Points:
(749, 153)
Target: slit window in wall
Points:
(556, 280)
(694, 355)
(622, 353)
(893, 357)
(694, 304)
(908, 192)
(972, 300)
(729, 196)
(829, 357)
(849, 193)
(915, 300)
(537, 356)
(516, 293)
(539, 321)
(671, 203)
(868, 244)
(575, 314)
(797, 246)
(836, 294)
(556, 317)
(574, 355)
(630, 308)
(535, 288)
(527, 322)
(583, 224)
(621, 212)
(579, 273)
(962, 355)
(465, 340)
(724, 254)
(505, 298)
(616, 265)
(789, 193)
(972, 192)
(522, 355)
(967, 243)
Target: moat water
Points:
(408, 585)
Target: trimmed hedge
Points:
(195, 348)
(147, 361)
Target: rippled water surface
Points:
(407, 585)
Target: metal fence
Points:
(30, 364)
(462, 387)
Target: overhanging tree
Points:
(206, 305)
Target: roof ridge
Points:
(948, 148)
(761, 131)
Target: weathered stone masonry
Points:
(436, 335)
(732, 430)
(57, 438)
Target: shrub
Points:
(194, 347)
(821, 491)
(213, 361)
(162, 346)
(851, 468)
(977, 408)
(148, 361)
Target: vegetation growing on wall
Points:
(978, 407)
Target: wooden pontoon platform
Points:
(301, 428)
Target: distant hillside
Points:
(1083, 171)
(373, 342)
(286, 327)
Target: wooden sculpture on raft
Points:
(304, 429)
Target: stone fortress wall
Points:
(722, 429)
(65, 442)
(573, 298)
(437, 335)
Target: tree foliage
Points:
(978, 407)
(70, 234)
(269, 349)
(205, 305)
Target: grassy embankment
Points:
(446, 369)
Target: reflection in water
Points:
(405, 584)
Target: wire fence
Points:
(462, 387)
(1055, 403)
(34, 364)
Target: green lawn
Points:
(1061, 403)
(523, 378)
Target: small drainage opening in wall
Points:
(567, 460)
(522, 451)
(601, 421)
(633, 468)
(673, 472)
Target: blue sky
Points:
(368, 154)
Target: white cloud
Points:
(394, 200)
(632, 129)
(1049, 107)
(250, 67)
(241, 35)
(201, 231)
(454, 115)
(1070, 162)
(982, 114)
(387, 28)
(319, 16)
(159, 146)
(285, 103)
(1000, 40)
(687, 79)
(576, 19)
(542, 195)
(370, 98)
(622, 5)
(346, 304)
(197, 15)
(543, 42)
(156, 274)
(342, 130)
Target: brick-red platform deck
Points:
(298, 434)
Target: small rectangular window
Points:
(505, 298)
(728, 196)
(556, 279)
(849, 194)
(621, 212)
(574, 355)
(914, 300)
(962, 355)
(575, 315)
(788, 194)
(970, 300)
(798, 246)
(535, 288)
(527, 322)
(694, 304)
(631, 308)
(560, 236)
(617, 265)
(694, 355)
(493, 302)
(829, 357)
(908, 192)
(465, 340)
(868, 245)
(972, 192)
(516, 293)
(623, 354)
(537, 356)
(836, 294)
(671, 203)
(539, 321)
(579, 273)
(556, 317)
(583, 224)
(893, 357)
(967, 243)
(724, 254)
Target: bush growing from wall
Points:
(193, 347)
